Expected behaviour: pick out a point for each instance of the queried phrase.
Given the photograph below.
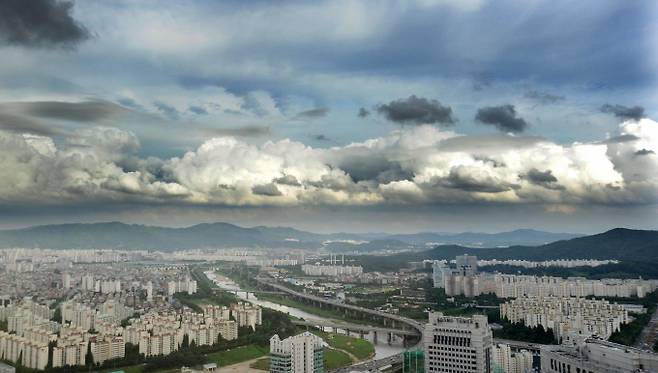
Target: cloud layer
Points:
(414, 165)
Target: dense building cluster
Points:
(467, 281)
(331, 270)
(568, 317)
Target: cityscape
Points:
(329, 186)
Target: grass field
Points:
(335, 359)
(237, 355)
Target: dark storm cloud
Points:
(198, 110)
(542, 178)
(644, 152)
(624, 112)
(416, 110)
(544, 98)
(313, 113)
(20, 124)
(266, 190)
(166, 109)
(39, 23)
(246, 131)
(363, 112)
(86, 111)
(503, 117)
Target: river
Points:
(382, 349)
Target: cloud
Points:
(412, 165)
(269, 190)
(85, 111)
(416, 110)
(545, 179)
(473, 179)
(21, 124)
(624, 112)
(621, 139)
(313, 113)
(645, 152)
(543, 98)
(503, 117)
(166, 109)
(287, 180)
(245, 131)
(363, 112)
(40, 23)
(198, 110)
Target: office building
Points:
(458, 344)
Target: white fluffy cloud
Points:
(413, 165)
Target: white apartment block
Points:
(33, 355)
(162, 334)
(107, 348)
(69, 353)
(568, 317)
(331, 270)
(458, 344)
(514, 286)
(182, 286)
(302, 353)
(216, 312)
(508, 361)
(597, 356)
(247, 314)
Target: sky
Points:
(379, 116)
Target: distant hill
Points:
(620, 244)
(223, 235)
(526, 237)
(130, 236)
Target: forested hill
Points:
(619, 243)
(622, 244)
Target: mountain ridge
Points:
(120, 235)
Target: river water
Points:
(382, 348)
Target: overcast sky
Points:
(331, 116)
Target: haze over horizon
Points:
(331, 116)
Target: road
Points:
(649, 335)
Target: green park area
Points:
(237, 355)
(359, 348)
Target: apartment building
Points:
(568, 317)
(247, 314)
(508, 361)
